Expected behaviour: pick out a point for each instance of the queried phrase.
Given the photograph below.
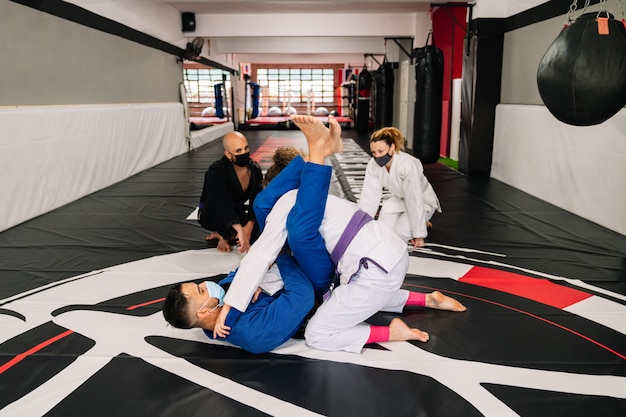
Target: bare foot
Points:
(213, 235)
(398, 330)
(316, 136)
(335, 144)
(223, 245)
(442, 302)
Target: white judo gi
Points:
(371, 270)
(412, 202)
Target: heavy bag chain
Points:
(572, 8)
(602, 21)
(620, 7)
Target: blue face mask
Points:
(382, 160)
(215, 291)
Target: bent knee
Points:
(314, 338)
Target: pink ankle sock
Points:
(417, 299)
(378, 334)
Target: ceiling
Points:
(299, 6)
(362, 31)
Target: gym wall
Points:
(81, 108)
(579, 169)
(51, 60)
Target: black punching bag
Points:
(219, 100)
(582, 76)
(376, 96)
(363, 101)
(384, 95)
(428, 102)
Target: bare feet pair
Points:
(399, 330)
(322, 141)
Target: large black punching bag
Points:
(363, 101)
(428, 102)
(582, 76)
(376, 96)
(383, 87)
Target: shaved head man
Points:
(230, 187)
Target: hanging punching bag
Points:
(582, 76)
(255, 93)
(384, 95)
(428, 101)
(376, 95)
(219, 100)
(363, 101)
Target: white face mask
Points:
(215, 291)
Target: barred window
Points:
(200, 82)
(297, 87)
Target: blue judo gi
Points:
(274, 319)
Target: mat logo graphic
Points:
(105, 309)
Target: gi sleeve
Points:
(412, 174)
(372, 191)
(261, 255)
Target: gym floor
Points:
(82, 333)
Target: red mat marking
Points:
(18, 358)
(263, 155)
(540, 290)
(147, 303)
(567, 329)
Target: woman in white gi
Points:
(370, 259)
(412, 203)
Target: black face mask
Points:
(382, 160)
(242, 160)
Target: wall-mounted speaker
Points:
(189, 22)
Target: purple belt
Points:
(358, 220)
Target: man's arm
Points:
(261, 255)
(274, 320)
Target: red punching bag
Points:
(582, 76)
